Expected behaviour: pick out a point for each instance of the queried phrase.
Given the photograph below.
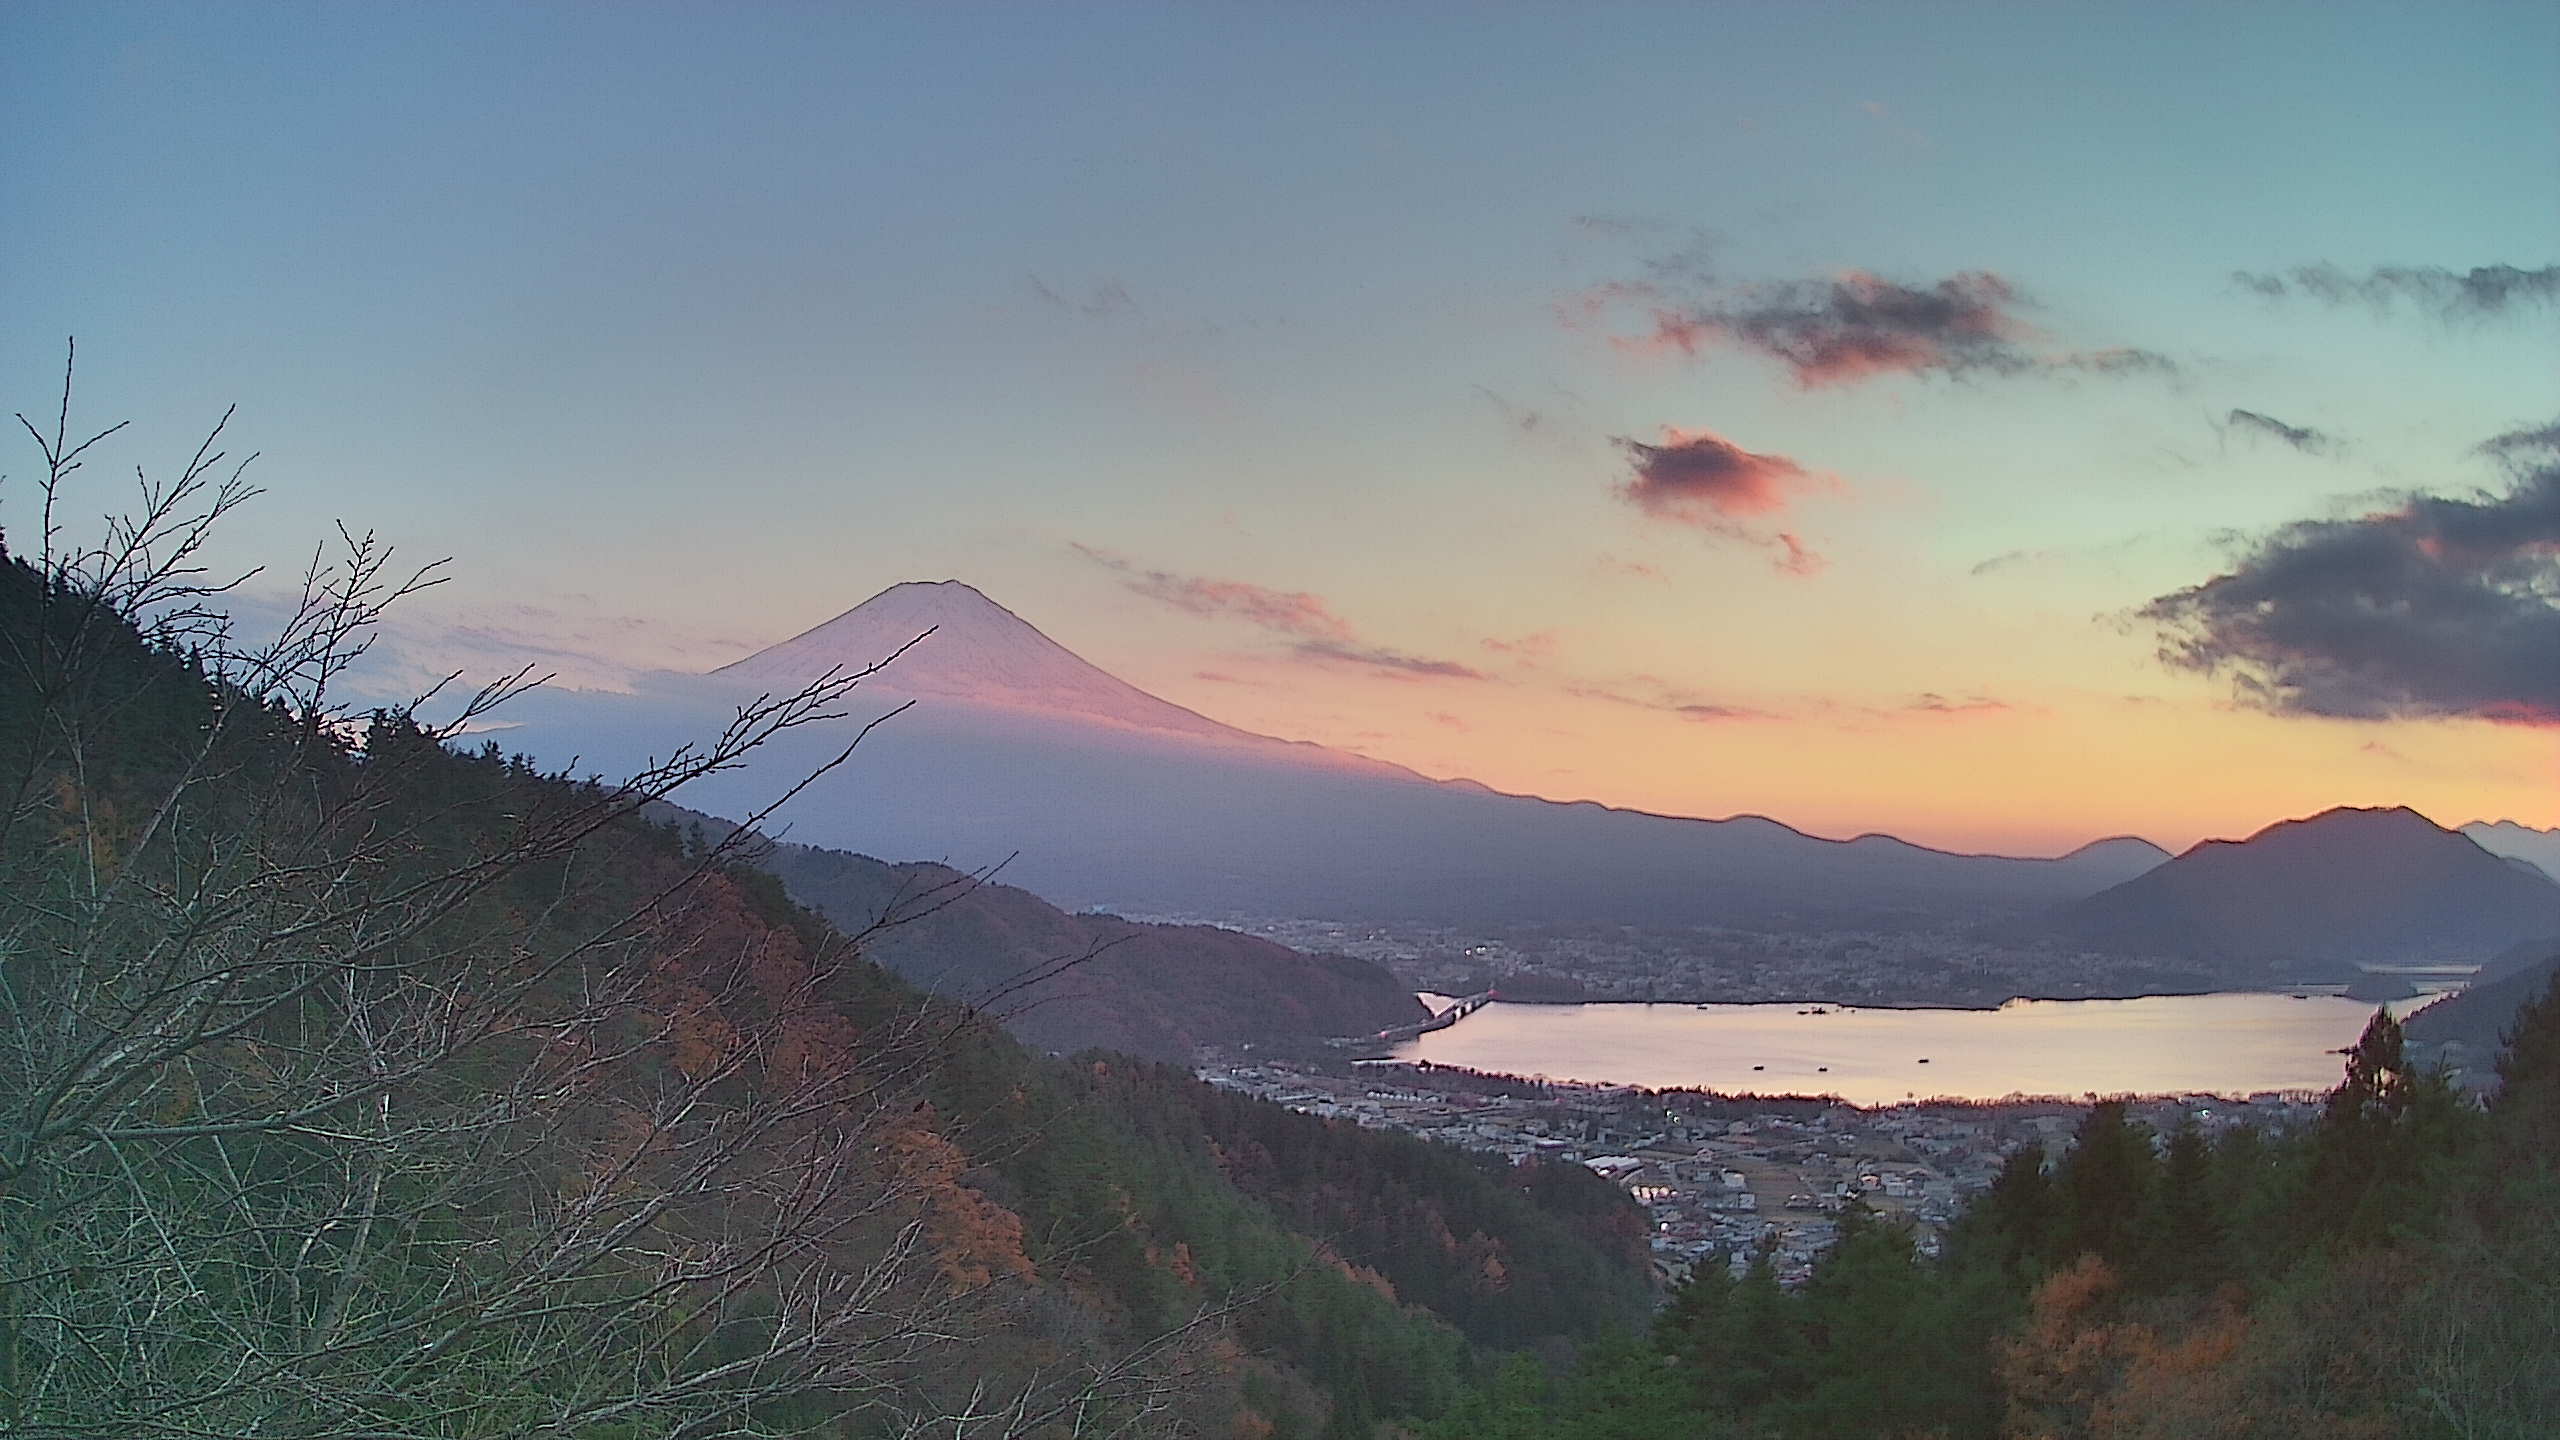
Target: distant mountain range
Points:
(2538, 848)
(1108, 796)
(2323, 894)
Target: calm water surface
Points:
(2233, 1044)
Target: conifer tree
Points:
(2013, 1228)
(2104, 1183)
(2182, 1239)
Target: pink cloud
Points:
(1288, 612)
(1316, 634)
(1612, 565)
(1700, 479)
(1648, 692)
(1530, 650)
(1932, 703)
(1798, 560)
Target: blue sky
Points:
(683, 328)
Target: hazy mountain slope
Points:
(2539, 848)
(1074, 982)
(2337, 888)
(2479, 1017)
(1018, 748)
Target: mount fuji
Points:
(1097, 794)
(957, 648)
(960, 645)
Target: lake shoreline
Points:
(2224, 1043)
(1772, 1099)
(2324, 989)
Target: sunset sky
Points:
(1822, 411)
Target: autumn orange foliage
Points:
(975, 1240)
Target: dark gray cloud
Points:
(2008, 559)
(2482, 291)
(1619, 227)
(1517, 416)
(2098, 553)
(2522, 447)
(2300, 437)
(1860, 326)
(1691, 266)
(2438, 606)
(1107, 298)
(2114, 360)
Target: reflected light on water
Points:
(2228, 1044)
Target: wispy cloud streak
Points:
(2301, 437)
(2478, 293)
(1313, 630)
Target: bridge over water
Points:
(1457, 1011)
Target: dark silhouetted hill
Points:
(1077, 982)
(2322, 895)
(2478, 1018)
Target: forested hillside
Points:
(1514, 1256)
(352, 1084)
(1073, 982)
(2466, 1027)
(2391, 1271)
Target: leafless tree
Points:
(349, 1088)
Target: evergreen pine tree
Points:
(2013, 1227)
(2183, 1237)
(2104, 1182)
(1767, 1353)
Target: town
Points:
(1721, 965)
(1721, 1176)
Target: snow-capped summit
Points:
(972, 650)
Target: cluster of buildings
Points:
(1719, 1177)
(1722, 964)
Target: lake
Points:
(2225, 1044)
